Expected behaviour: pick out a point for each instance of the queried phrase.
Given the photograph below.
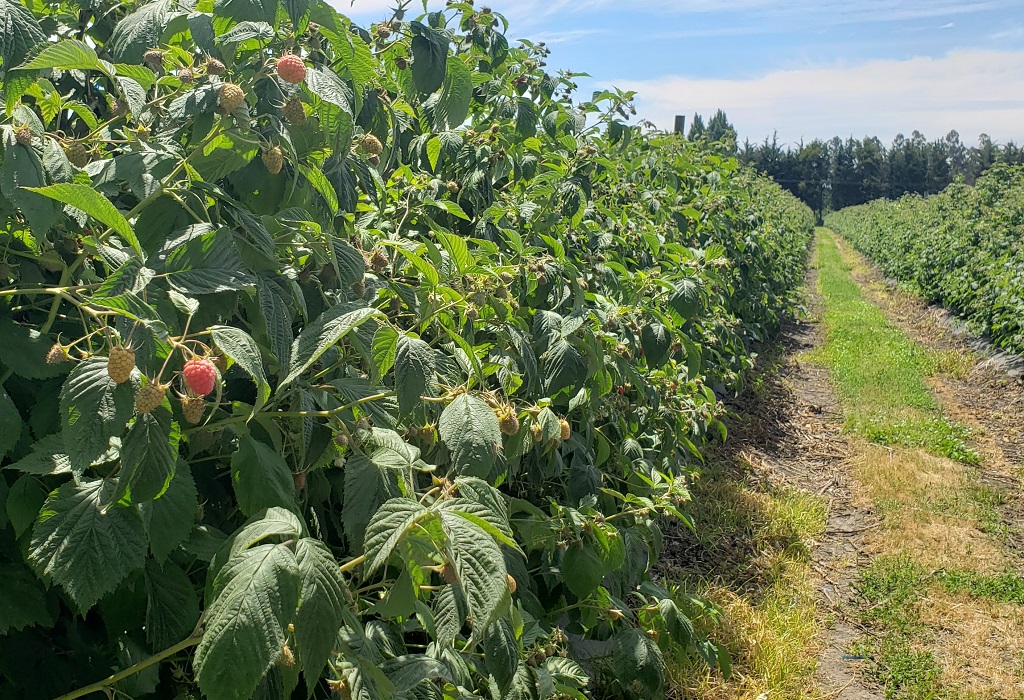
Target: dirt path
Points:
(852, 571)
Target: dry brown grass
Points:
(927, 513)
(978, 643)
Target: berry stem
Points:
(132, 670)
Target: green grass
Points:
(880, 373)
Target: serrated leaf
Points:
(386, 529)
(139, 31)
(21, 171)
(19, 32)
(321, 605)
(501, 653)
(172, 605)
(348, 262)
(433, 152)
(686, 299)
(430, 56)
(367, 487)
(23, 350)
(384, 349)
(24, 501)
(261, 477)
(414, 371)
(169, 519)
(582, 569)
(636, 657)
(563, 366)
(84, 546)
(470, 431)
(456, 95)
(656, 341)
(93, 409)
(10, 423)
(255, 597)
(479, 567)
(240, 347)
(48, 457)
(332, 325)
(66, 54)
(149, 453)
(95, 205)
(22, 600)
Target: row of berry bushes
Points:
(352, 362)
(961, 249)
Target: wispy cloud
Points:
(970, 91)
(569, 37)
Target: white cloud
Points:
(970, 91)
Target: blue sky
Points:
(806, 68)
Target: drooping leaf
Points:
(261, 477)
(149, 453)
(240, 347)
(10, 423)
(414, 371)
(656, 341)
(429, 58)
(456, 95)
(332, 325)
(169, 519)
(19, 32)
(255, 596)
(93, 409)
(321, 605)
(582, 569)
(479, 567)
(172, 606)
(469, 429)
(95, 205)
(22, 600)
(367, 487)
(21, 171)
(636, 657)
(386, 529)
(84, 546)
(140, 31)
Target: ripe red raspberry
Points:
(230, 97)
(273, 158)
(291, 69)
(120, 363)
(294, 111)
(200, 376)
(192, 408)
(150, 397)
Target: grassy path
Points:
(859, 533)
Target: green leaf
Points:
(10, 423)
(386, 529)
(240, 347)
(67, 54)
(582, 569)
(677, 624)
(24, 501)
(93, 409)
(367, 486)
(149, 453)
(686, 299)
(469, 429)
(384, 349)
(172, 605)
(322, 185)
(84, 546)
(563, 366)
(261, 477)
(321, 605)
(656, 341)
(140, 31)
(23, 350)
(332, 325)
(246, 10)
(22, 600)
(255, 597)
(430, 58)
(456, 95)
(501, 653)
(479, 567)
(433, 152)
(95, 205)
(19, 32)
(348, 262)
(21, 171)
(169, 519)
(636, 657)
(414, 371)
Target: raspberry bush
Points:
(472, 340)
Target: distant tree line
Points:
(834, 174)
